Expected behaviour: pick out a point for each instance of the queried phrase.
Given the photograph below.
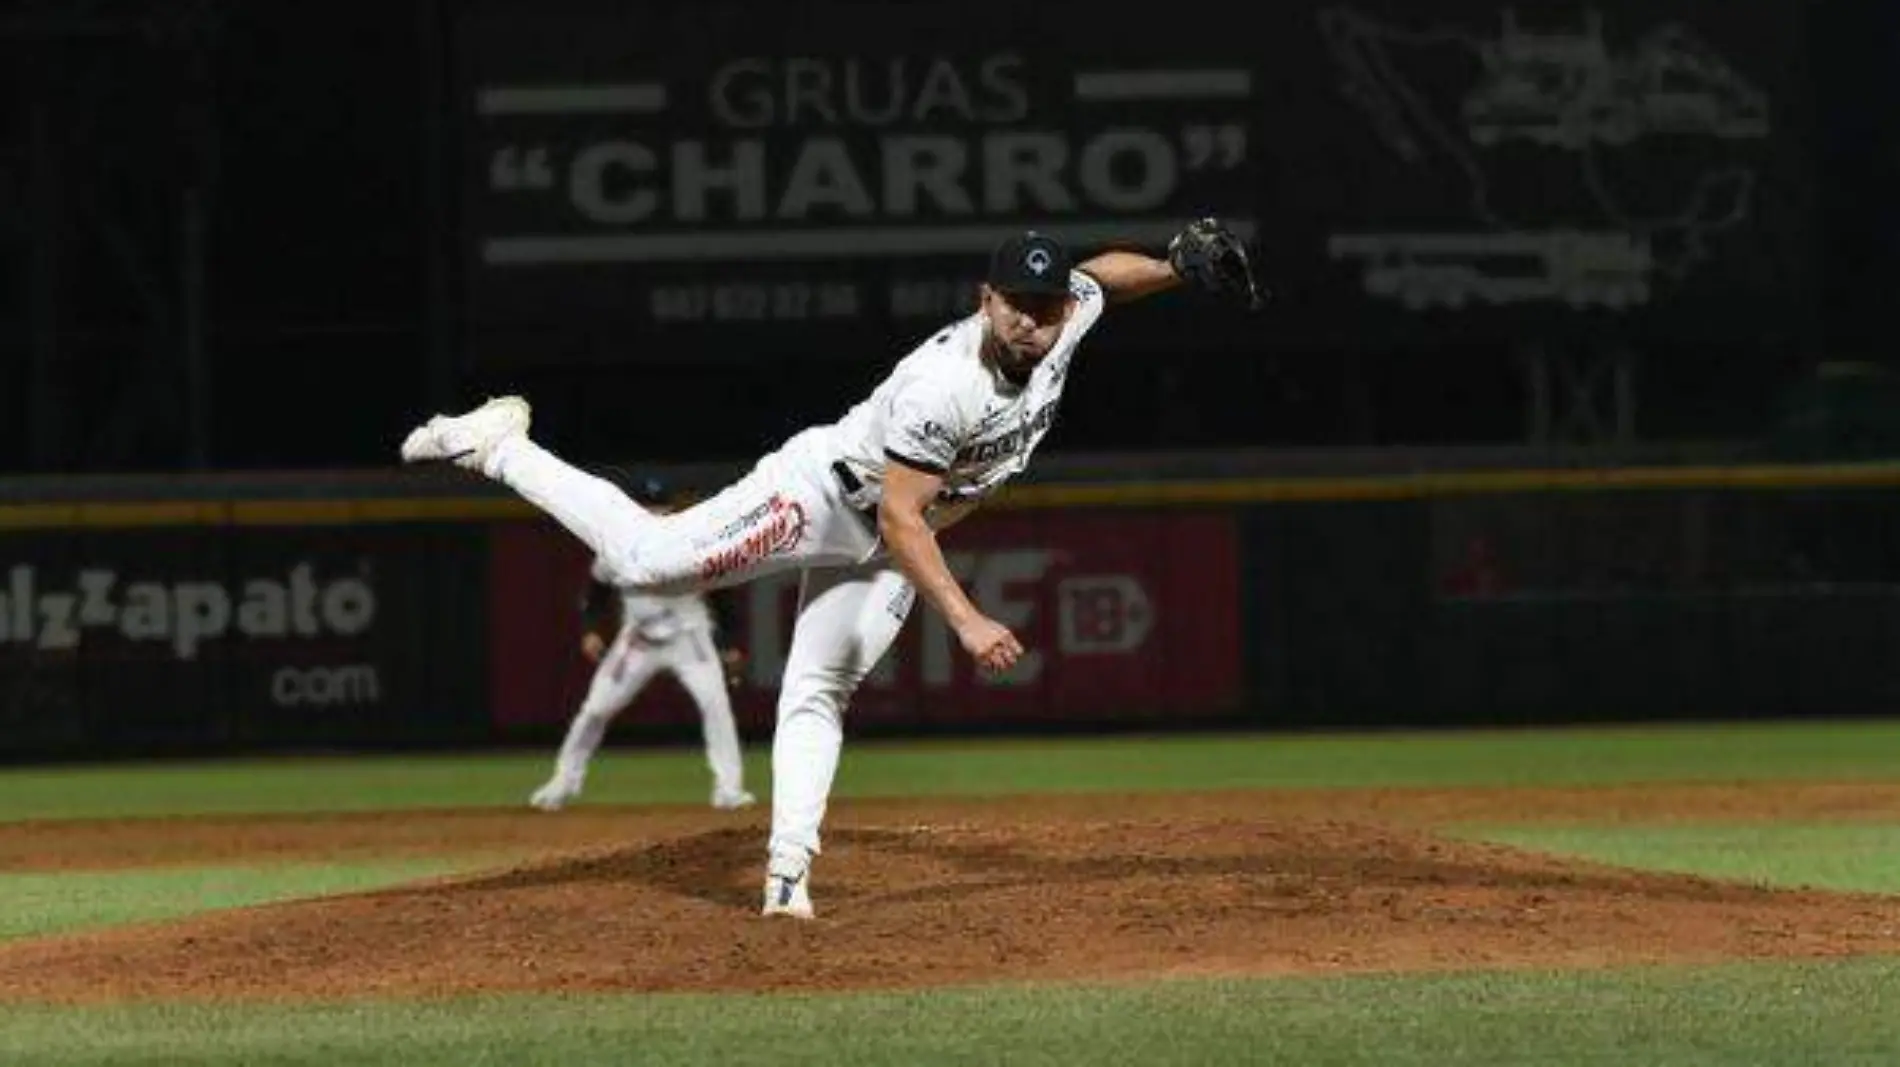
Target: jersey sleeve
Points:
(926, 425)
(1090, 300)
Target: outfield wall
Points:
(382, 612)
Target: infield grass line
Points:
(1854, 751)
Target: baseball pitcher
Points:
(631, 637)
(856, 505)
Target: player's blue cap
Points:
(1031, 262)
(647, 490)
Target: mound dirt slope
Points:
(918, 894)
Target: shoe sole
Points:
(524, 414)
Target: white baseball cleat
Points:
(788, 895)
(732, 799)
(555, 794)
(466, 439)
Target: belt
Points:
(849, 481)
(852, 486)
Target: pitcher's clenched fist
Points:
(991, 644)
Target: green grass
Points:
(1853, 857)
(1842, 751)
(52, 902)
(1838, 1014)
(1744, 1015)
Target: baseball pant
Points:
(847, 619)
(624, 670)
(783, 514)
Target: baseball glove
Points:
(1209, 256)
(733, 661)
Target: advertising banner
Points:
(1127, 617)
(1622, 160)
(796, 173)
(163, 639)
(757, 181)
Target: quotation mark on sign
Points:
(514, 168)
(1214, 147)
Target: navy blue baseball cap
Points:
(1031, 262)
(648, 490)
(644, 489)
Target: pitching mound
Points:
(920, 895)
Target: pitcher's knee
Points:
(651, 561)
(821, 693)
(616, 562)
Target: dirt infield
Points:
(915, 893)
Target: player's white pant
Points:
(847, 619)
(624, 670)
(786, 512)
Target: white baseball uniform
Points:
(657, 633)
(811, 504)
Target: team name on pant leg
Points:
(775, 527)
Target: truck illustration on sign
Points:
(1589, 173)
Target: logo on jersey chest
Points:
(1006, 445)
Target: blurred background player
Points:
(631, 637)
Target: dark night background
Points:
(312, 304)
(1582, 319)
